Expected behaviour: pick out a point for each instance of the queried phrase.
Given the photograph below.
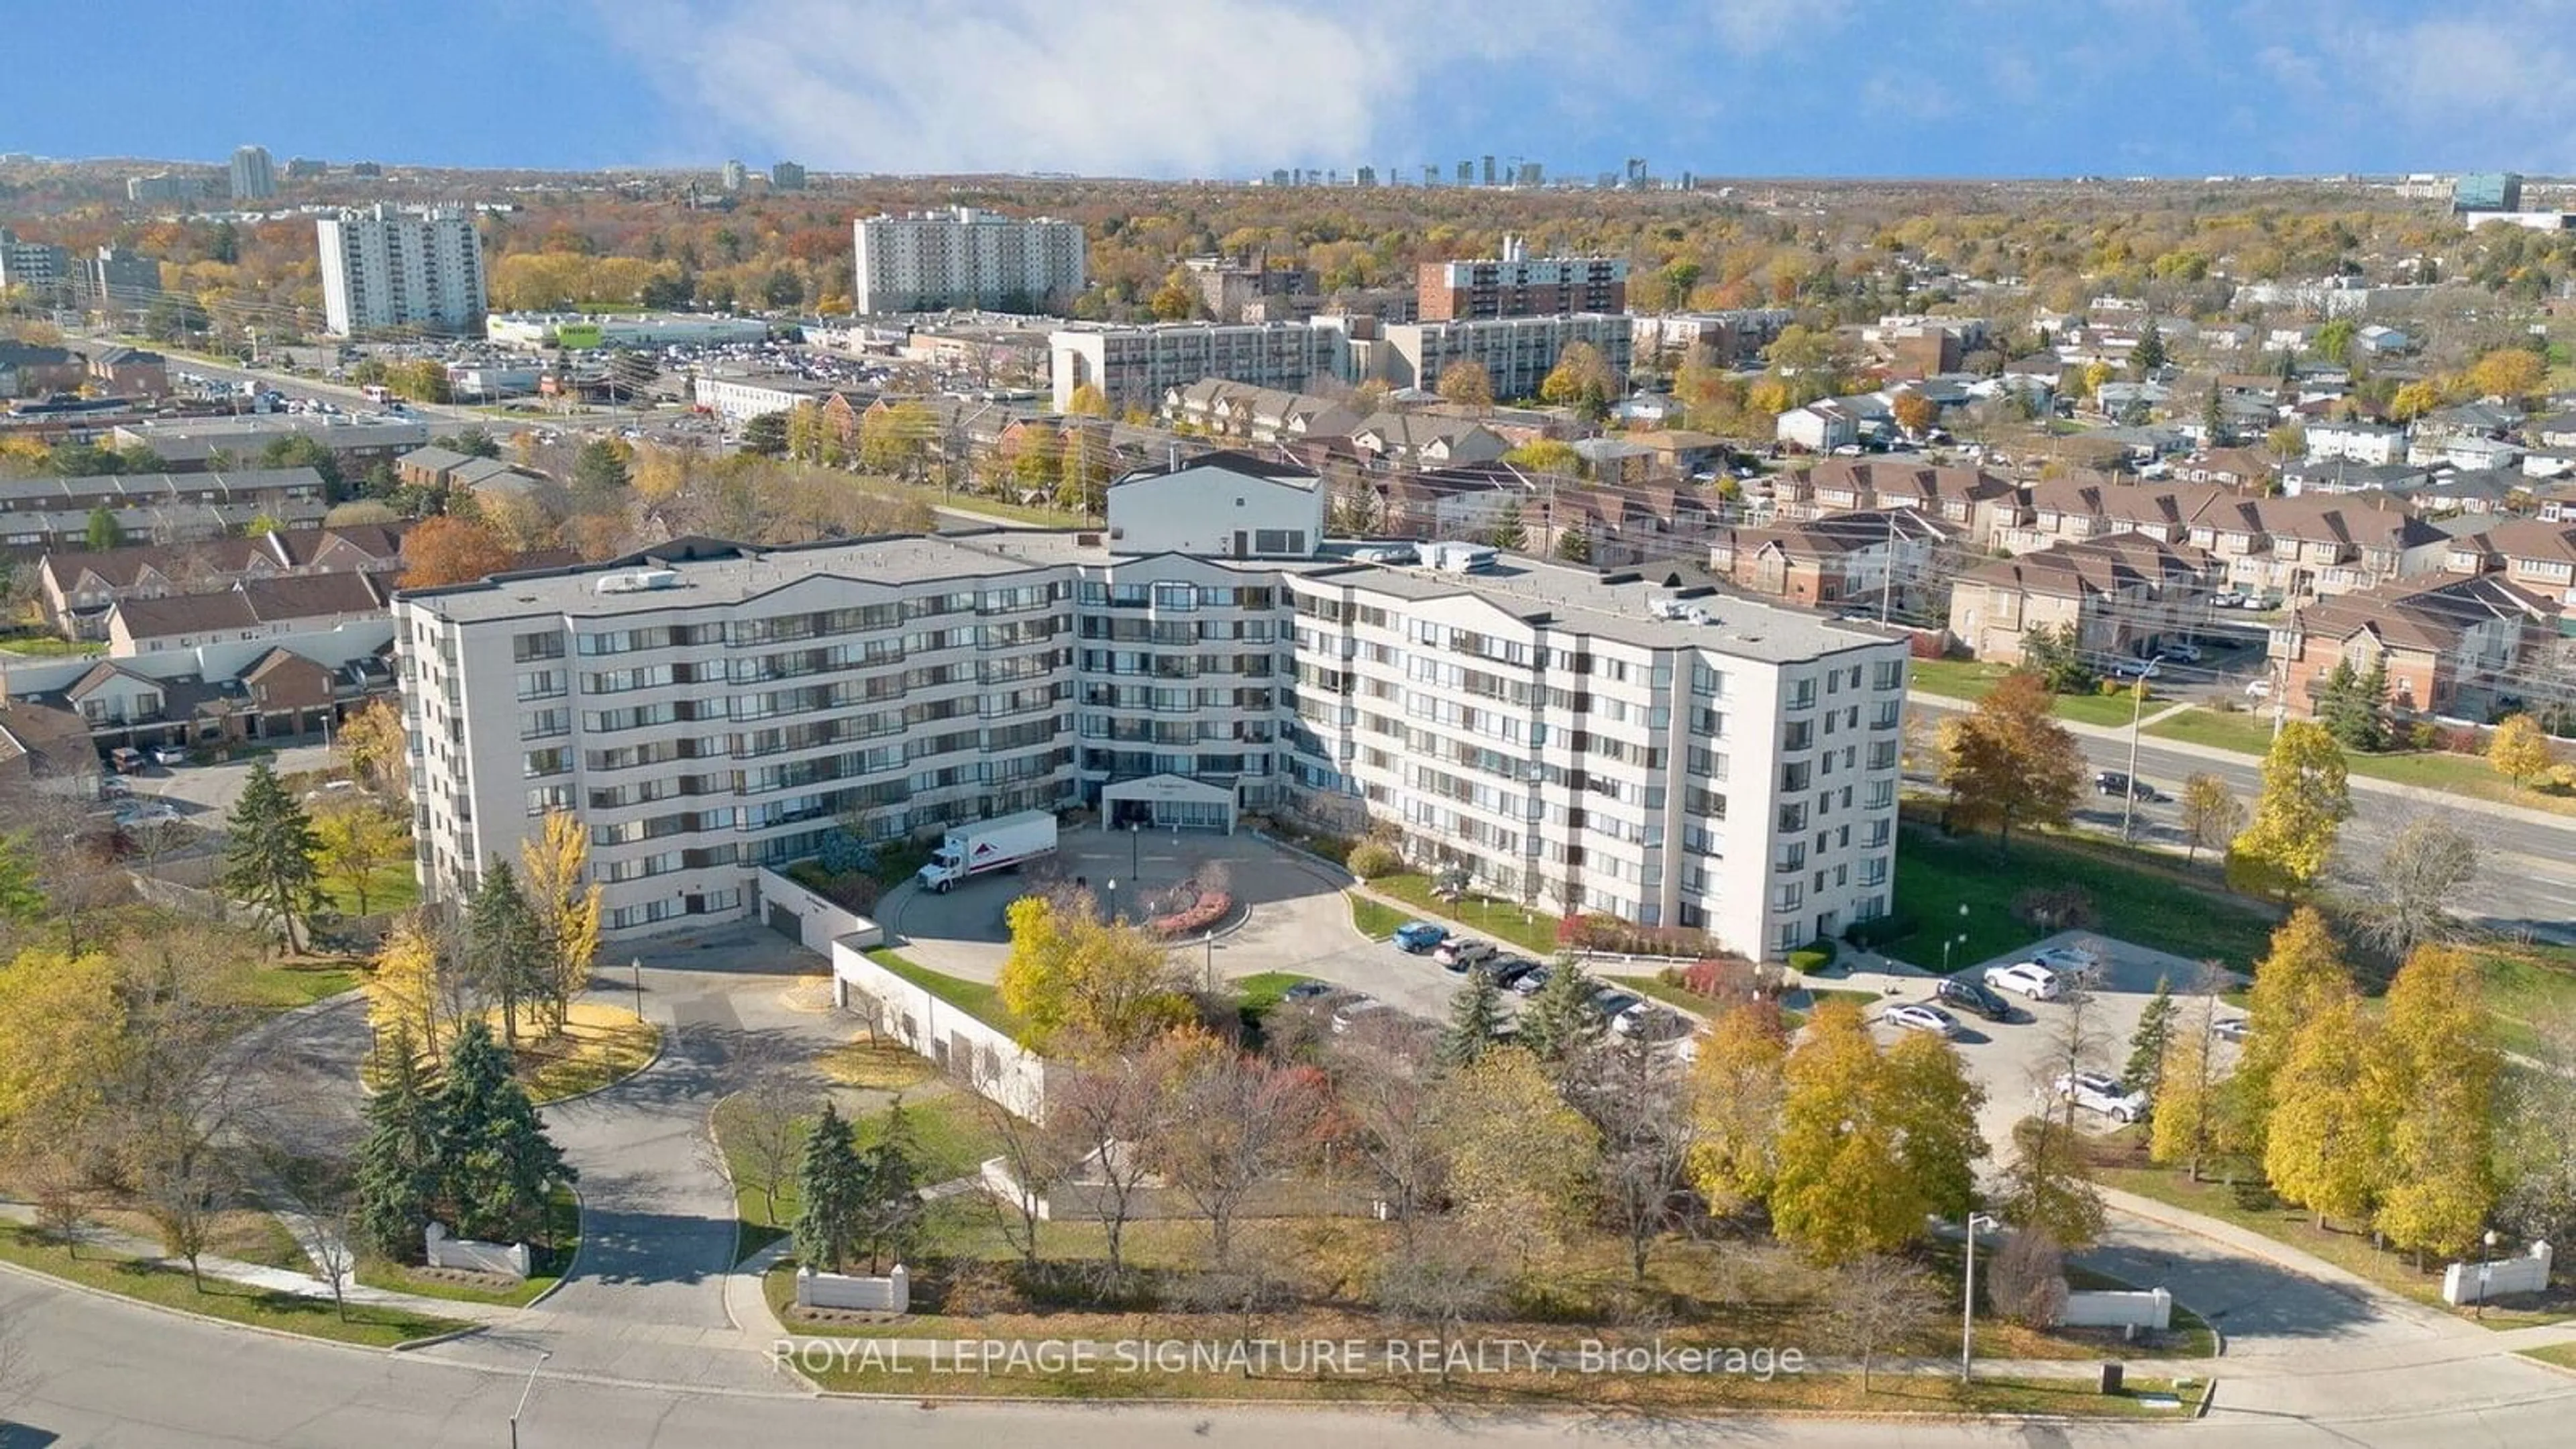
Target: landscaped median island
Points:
(551, 1252)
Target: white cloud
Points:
(2481, 85)
(1750, 27)
(1105, 87)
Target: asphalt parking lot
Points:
(2016, 1061)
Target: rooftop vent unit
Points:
(1678, 610)
(637, 581)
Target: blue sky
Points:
(1236, 87)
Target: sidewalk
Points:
(274, 1280)
(2246, 1243)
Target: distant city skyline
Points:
(1240, 88)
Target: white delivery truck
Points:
(971, 850)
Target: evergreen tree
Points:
(495, 1162)
(2154, 1041)
(1475, 1015)
(831, 1183)
(270, 851)
(1574, 545)
(104, 531)
(1508, 532)
(506, 952)
(2352, 704)
(599, 469)
(2213, 418)
(397, 1169)
(1561, 1020)
(2150, 352)
(766, 435)
(889, 1206)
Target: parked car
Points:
(2071, 963)
(1507, 971)
(1615, 1003)
(125, 760)
(1652, 1023)
(169, 755)
(2135, 669)
(2120, 782)
(2100, 1092)
(1972, 996)
(2235, 1029)
(2026, 978)
(2180, 653)
(1357, 1010)
(1307, 991)
(1531, 981)
(1459, 954)
(2230, 599)
(1914, 1016)
(115, 787)
(1419, 937)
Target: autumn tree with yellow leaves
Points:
(554, 866)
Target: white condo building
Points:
(930, 260)
(1575, 740)
(1136, 365)
(387, 267)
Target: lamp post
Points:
(1950, 942)
(529, 1388)
(1135, 850)
(2486, 1270)
(1113, 900)
(1211, 961)
(1977, 1223)
(2129, 796)
(636, 965)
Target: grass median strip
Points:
(169, 1287)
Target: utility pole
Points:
(2129, 796)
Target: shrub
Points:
(2463, 741)
(2054, 908)
(1210, 908)
(1809, 959)
(2111, 688)
(1372, 859)
(2028, 1281)
(2421, 735)
(842, 853)
(1612, 936)
(1879, 931)
(1724, 979)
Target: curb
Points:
(661, 1044)
(409, 1344)
(580, 1245)
(1569, 1414)
(2208, 1399)
(40, 1276)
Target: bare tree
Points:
(2074, 1042)
(2211, 814)
(1440, 1279)
(1236, 1125)
(1633, 1094)
(1386, 1100)
(1100, 1115)
(1875, 1301)
(2402, 899)
(1036, 1159)
(2027, 1282)
(318, 1197)
(764, 1125)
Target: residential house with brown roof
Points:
(2241, 469)
(1877, 556)
(45, 749)
(1978, 503)
(2535, 554)
(2313, 546)
(2124, 594)
(1257, 414)
(2454, 644)
(1427, 440)
(263, 608)
(79, 587)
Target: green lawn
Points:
(2527, 986)
(49, 646)
(1971, 679)
(1264, 990)
(284, 985)
(1529, 928)
(1375, 919)
(233, 1302)
(549, 1258)
(395, 886)
(2251, 1206)
(2471, 775)
(2560, 1355)
(948, 1131)
(2137, 896)
(976, 999)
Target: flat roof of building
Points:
(716, 574)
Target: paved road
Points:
(2529, 883)
(110, 1374)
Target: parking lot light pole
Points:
(636, 965)
(2129, 796)
(529, 1388)
(1961, 939)
(1113, 900)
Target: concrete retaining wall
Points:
(980, 1054)
(819, 921)
(2151, 1309)
(508, 1260)
(889, 1294)
(2478, 1282)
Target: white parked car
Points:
(169, 755)
(2071, 963)
(1913, 1016)
(2028, 978)
(2100, 1092)
(2258, 689)
(2181, 653)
